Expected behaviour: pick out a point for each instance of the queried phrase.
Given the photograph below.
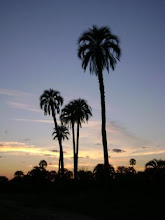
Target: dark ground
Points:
(85, 203)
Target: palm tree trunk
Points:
(77, 147)
(103, 115)
(60, 145)
(61, 158)
(74, 151)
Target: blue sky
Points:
(38, 50)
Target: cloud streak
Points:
(14, 93)
(22, 106)
(33, 120)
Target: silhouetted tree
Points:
(155, 171)
(39, 175)
(81, 112)
(99, 49)
(53, 175)
(3, 180)
(63, 134)
(43, 164)
(121, 169)
(99, 172)
(85, 177)
(50, 102)
(132, 162)
(155, 164)
(19, 174)
(68, 117)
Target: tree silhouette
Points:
(99, 172)
(62, 134)
(68, 117)
(155, 170)
(132, 162)
(99, 49)
(50, 102)
(19, 174)
(155, 164)
(77, 111)
(43, 164)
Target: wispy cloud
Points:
(13, 93)
(22, 106)
(20, 147)
(33, 120)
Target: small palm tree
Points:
(99, 49)
(43, 164)
(76, 112)
(62, 134)
(132, 162)
(50, 102)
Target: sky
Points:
(38, 51)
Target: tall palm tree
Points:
(76, 112)
(50, 102)
(99, 49)
(61, 134)
(68, 117)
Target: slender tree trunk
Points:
(103, 130)
(77, 148)
(60, 145)
(74, 151)
(61, 158)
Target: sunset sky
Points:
(38, 51)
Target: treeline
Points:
(40, 179)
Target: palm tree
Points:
(67, 117)
(155, 164)
(132, 162)
(77, 111)
(62, 134)
(99, 49)
(50, 102)
(43, 164)
(99, 172)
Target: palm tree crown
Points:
(50, 101)
(99, 49)
(82, 111)
(63, 133)
(132, 162)
(67, 114)
(155, 164)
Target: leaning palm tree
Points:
(61, 134)
(99, 49)
(76, 112)
(50, 102)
